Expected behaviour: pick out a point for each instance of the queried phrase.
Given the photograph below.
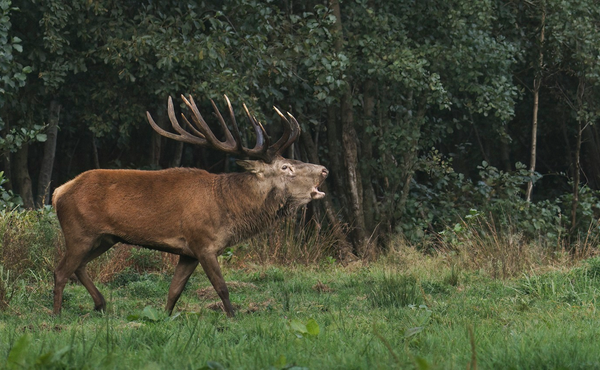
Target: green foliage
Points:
(8, 200)
(310, 329)
(12, 73)
(451, 75)
(445, 202)
(19, 356)
(148, 314)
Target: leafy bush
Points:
(8, 199)
(445, 198)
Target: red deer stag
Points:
(184, 211)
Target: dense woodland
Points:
(426, 112)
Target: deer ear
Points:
(250, 166)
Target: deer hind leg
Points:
(183, 271)
(104, 244)
(76, 257)
(213, 271)
(84, 278)
(70, 262)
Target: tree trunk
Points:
(350, 147)
(537, 82)
(95, 156)
(156, 144)
(22, 178)
(576, 177)
(43, 190)
(505, 155)
(334, 139)
(369, 200)
(7, 170)
(6, 156)
(410, 155)
(577, 162)
(591, 156)
(177, 154)
(155, 150)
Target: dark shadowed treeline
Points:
(422, 110)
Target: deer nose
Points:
(325, 172)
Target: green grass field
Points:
(405, 311)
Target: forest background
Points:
(427, 113)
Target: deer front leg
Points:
(213, 271)
(183, 271)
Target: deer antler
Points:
(201, 134)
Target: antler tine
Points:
(236, 131)
(203, 126)
(191, 127)
(197, 118)
(262, 139)
(183, 135)
(178, 128)
(201, 134)
(230, 141)
(290, 134)
(296, 130)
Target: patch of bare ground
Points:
(43, 326)
(321, 288)
(209, 292)
(218, 306)
(252, 306)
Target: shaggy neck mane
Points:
(250, 209)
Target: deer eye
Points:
(285, 167)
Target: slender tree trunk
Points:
(369, 200)
(6, 156)
(95, 156)
(334, 138)
(537, 82)
(410, 155)
(591, 156)
(576, 176)
(22, 178)
(505, 155)
(177, 154)
(7, 170)
(350, 147)
(43, 190)
(155, 150)
(156, 144)
(577, 161)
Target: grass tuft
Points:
(293, 241)
(395, 290)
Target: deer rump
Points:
(189, 212)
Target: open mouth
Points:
(316, 193)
